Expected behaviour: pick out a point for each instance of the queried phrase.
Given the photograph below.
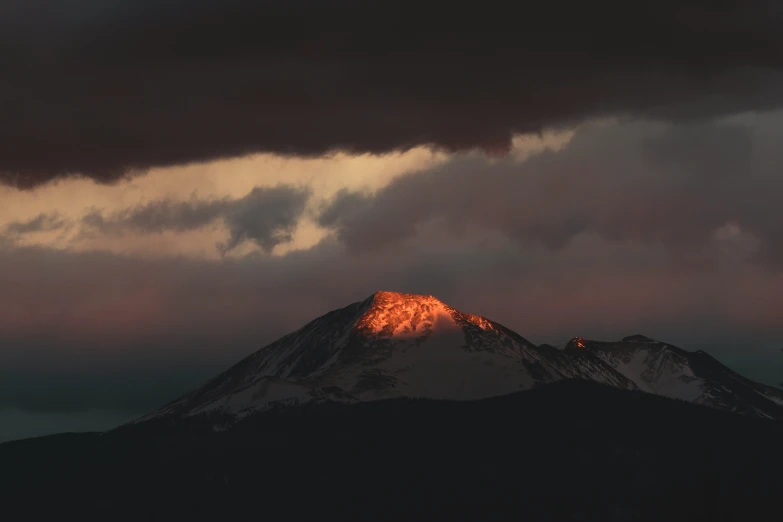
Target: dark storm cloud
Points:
(683, 186)
(266, 216)
(108, 88)
(40, 223)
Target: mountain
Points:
(697, 377)
(593, 436)
(395, 345)
(570, 450)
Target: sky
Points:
(182, 183)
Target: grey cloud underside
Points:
(107, 89)
(267, 216)
(159, 216)
(691, 187)
(41, 223)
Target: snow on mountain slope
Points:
(405, 345)
(697, 377)
(389, 345)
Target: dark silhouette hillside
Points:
(568, 451)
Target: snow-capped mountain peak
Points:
(397, 315)
(406, 345)
(667, 370)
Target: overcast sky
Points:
(183, 182)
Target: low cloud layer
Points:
(267, 216)
(159, 216)
(108, 89)
(688, 187)
(40, 223)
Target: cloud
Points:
(683, 186)
(214, 79)
(266, 216)
(160, 216)
(40, 223)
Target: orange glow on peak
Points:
(479, 321)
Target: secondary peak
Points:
(578, 342)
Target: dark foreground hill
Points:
(572, 450)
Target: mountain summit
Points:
(406, 345)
